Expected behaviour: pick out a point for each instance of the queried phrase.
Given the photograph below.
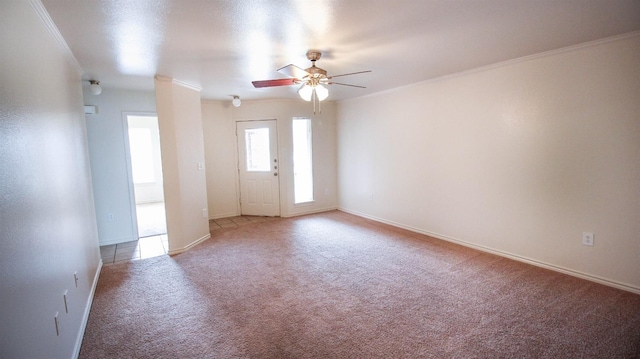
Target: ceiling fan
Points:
(312, 79)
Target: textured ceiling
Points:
(222, 46)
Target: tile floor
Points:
(230, 222)
(148, 247)
(145, 247)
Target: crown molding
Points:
(163, 78)
(53, 30)
(505, 63)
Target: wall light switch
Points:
(200, 166)
(204, 213)
(64, 298)
(57, 323)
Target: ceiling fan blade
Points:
(272, 83)
(351, 73)
(293, 71)
(338, 83)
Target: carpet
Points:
(333, 285)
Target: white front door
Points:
(258, 168)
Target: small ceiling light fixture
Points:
(95, 87)
(236, 101)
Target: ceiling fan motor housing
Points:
(314, 55)
(315, 72)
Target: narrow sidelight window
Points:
(302, 164)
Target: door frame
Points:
(237, 153)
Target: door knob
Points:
(275, 173)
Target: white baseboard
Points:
(87, 310)
(117, 240)
(283, 215)
(311, 211)
(190, 245)
(537, 263)
(225, 215)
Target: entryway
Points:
(258, 167)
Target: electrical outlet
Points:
(200, 166)
(587, 239)
(110, 217)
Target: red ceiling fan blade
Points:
(338, 83)
(293, 71)
(351, 73)
(272, 83)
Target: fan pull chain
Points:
(314, 98)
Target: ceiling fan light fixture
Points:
(312, 80)
(321, 92)
(305, 92)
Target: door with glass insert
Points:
(258, 168)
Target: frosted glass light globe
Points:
(322, 92)
(95, 87)
(305, 92)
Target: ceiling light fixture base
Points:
(314, 55)
(94, 87)
(236, 101)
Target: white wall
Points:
(107, 131)
(181, 139)
(47, 220)
(221, 159)
(519, 158)
(219, 123)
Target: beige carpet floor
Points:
(333, 285)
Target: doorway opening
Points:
(146, 192)
(148, 188)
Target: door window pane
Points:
(258, 155)
(302, 164)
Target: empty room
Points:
(320, 179)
